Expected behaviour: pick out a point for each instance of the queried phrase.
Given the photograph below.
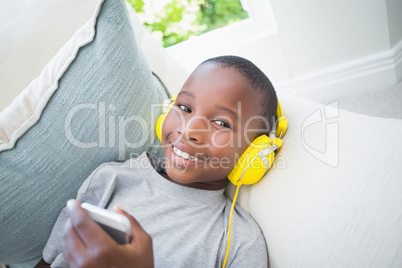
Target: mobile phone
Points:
(115, 225)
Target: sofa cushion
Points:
(91, 104)
(333, 197)
(31, 33)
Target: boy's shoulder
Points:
(109, 170)
(245, 222)
(246, 236)
(142, 161)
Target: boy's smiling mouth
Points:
(185, 155)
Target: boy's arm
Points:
(255, 255)
(91, 191)
(52, 253)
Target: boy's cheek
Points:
(223, 140)
(226, 165)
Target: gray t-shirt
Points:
(188, 226)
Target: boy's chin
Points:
(195, 178)
(180, 176)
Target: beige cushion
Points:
(332, 200)
(27, 44)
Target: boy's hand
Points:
(87, 245)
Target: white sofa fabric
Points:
(332, 198)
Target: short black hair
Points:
(257, 80)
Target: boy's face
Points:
(210, 125)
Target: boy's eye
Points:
(223, 124)
(185, 108)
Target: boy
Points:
(224, 104)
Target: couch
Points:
(69, 77)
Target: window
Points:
(174, 21)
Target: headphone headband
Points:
(282, 124)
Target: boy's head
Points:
(222, 107)
(257, 80)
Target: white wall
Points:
(315, 49)
(316, 34)
(255, 39)
(258, 45)
(394, 11)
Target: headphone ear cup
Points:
(250, 167)
(167, 105)
(159, 124)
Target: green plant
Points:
(174, 21)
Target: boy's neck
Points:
(218, 185)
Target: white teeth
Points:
(192, 158)
(177, 151)
(184, 155)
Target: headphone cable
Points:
(230, 223)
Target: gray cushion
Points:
(101, 111)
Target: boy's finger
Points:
(72, 244)
(88, 231)
(138, 233)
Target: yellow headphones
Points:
(252, 164)
(167, 105)
(257, 159)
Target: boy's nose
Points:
(196, 129)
